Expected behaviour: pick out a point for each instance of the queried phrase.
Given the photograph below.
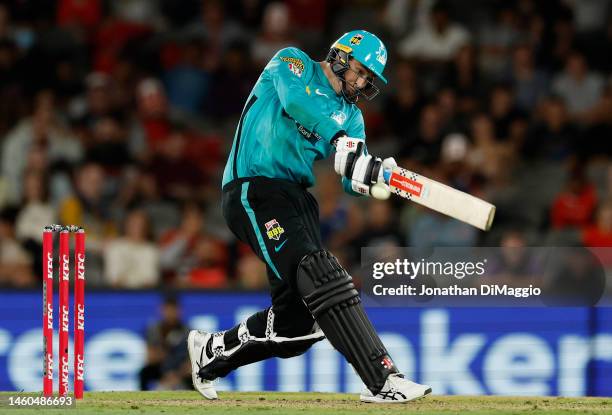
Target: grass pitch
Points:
(230, 403)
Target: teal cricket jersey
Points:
(288, 121)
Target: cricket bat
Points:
(442, 198)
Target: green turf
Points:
(315, 403)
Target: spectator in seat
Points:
(554, 138)
(464, 77)
(431, 229)
(496, 39)
(98, 101)
(504, 111)
(438, 41)
(208, 265)
(79, 16)
(381, 228)
(402, 108)
(108, 145)
(275, 33)
(580, 88)
(177, 176)
(530, 84)
(132, 260)
(178, 244)
(218, 28)
(15, 262)
(489, 156)
(575, 205)
(44, 130)
(165, 350)
(89, 206)
(423, 146)
(514, 263)
(36, 212)
(188, 82)
(251, 273)
(155, 117)
(600, 233)
(232, 82)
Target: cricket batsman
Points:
(300, 111)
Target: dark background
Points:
(118, 116)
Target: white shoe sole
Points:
(374, 399)
(206, 388)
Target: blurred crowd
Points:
(118, 115)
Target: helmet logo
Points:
(381, 54)
(356, 40)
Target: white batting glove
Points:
(345, 146)
(369, 175)
(351, 161)
(360, 188)
(379, 191)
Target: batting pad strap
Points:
(316, 335)
(243, 332)
(323, 282)
(217, 344)
(330, 294)
(256, 349)
(217, 340)
(270, 324)
(245, 337)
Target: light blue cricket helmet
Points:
(367, 49)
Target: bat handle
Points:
(387, 170)
(387, 175)
(388, 165)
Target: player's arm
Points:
(290, 73)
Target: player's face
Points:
(357, 77)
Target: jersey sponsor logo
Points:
(407, 185)
(295, 65)
(355, 40)
(339, 117)
(321, 93)
(311, 136)
(274, 230)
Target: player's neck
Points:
(334, 82)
